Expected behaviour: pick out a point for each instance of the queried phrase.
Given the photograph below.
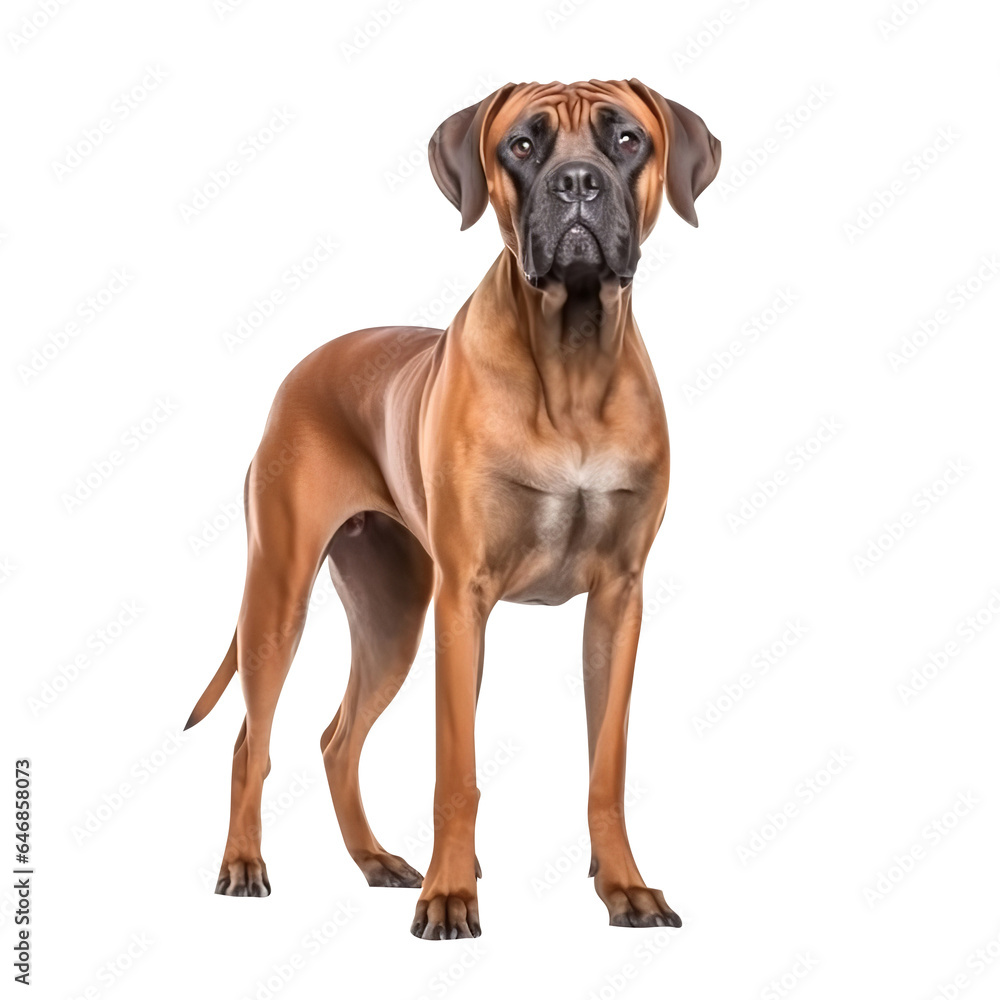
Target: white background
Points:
(825, 902)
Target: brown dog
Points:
(520, 455)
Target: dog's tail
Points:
(216, 686)
(227, 671)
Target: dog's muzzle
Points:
(578, 223)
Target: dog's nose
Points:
(576, 181)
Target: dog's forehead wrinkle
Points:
(572, 106)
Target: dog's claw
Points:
(389, 870)
(243, 877)
(637, 906)
(446, 918)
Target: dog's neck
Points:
(573, 333)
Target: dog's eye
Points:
(521, 148)
(628, 141)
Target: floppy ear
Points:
(693, 153)
(455, 153)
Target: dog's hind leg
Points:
(291, 518)
(385, 580)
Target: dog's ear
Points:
(693, 154)
(455, 153)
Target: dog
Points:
(519, 455)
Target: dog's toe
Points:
(390, 871)
(445, 918)
(637, 906)
(243, 877)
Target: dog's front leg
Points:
(448, 906)
(610, 640)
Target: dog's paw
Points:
(637, 906)
(446, 917)
(389, 870)
(243, 877)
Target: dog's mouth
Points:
(576, 255)
(577, 251)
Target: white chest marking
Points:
(575, 488)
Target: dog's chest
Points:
(556, 514)
(567, 492)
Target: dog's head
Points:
(576, 173)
